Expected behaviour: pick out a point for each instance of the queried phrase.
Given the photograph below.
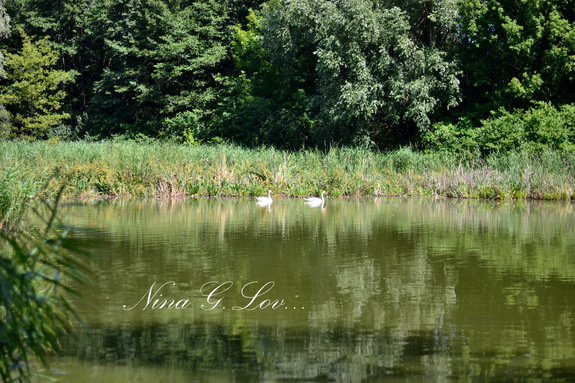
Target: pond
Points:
(357, 290)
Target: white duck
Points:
(314, 201)
(265, 201)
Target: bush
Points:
(444, 136)
(543, 127)
(549, 127)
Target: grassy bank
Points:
(125, 168)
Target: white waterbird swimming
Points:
(265, 201)
(314, 201)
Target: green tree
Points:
(77, 30)
(4, 30)
(32, 93)
(516, 53)
(433, 22)
(143, 66)
(263, 105)
(162, 65)
(363, 76)
(187, 69)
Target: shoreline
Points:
(127, 169)
(341, 197)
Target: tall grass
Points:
(38, 271)
(126, 168)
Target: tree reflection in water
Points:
(406, 289)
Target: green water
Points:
(384, 290)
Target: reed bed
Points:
(127, 168)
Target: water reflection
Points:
(370, 290)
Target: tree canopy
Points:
(291, 73)
(366, 76)
(515, 54)
(33, 99)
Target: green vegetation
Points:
(514, 54)
(127, 168)
(540, 128)
(38, 267)
(34, 97)
(360, 90)
(292, 74)
(38, 271)
(482, 90)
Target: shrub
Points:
(543, 127)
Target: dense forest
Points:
(469, 76)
